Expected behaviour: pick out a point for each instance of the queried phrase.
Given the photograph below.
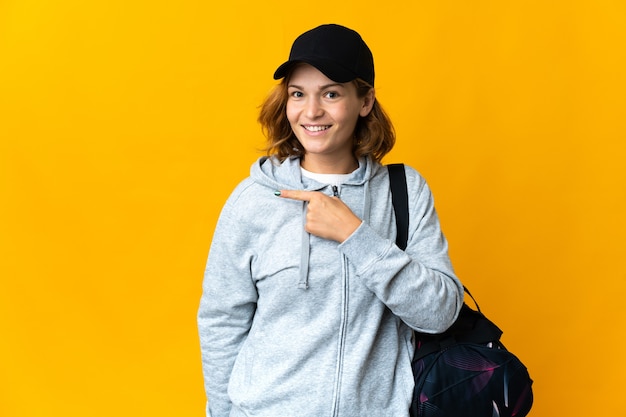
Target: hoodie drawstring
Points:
(303, 283)
(366, 202)
(304, 253)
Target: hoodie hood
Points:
(287, 175)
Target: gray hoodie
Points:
(292, 324)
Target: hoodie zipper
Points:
(335, 191)
(342, 335)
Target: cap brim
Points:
(329, 68)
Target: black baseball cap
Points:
(337, 51)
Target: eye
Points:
(331, 94)
(296, 94)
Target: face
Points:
(323, 115)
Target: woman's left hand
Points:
(326, 217)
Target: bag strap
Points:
(471, 326)
(400, 201)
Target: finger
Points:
(296, 194)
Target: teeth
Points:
(316, 128)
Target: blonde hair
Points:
(374, 135)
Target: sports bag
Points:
(465, 371)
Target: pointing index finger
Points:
(295, 194)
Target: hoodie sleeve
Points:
(418, 285)
(226, 308)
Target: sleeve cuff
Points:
(365, 247)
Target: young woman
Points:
(308, 305)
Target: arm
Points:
(226, 309)
(418, 285)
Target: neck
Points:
(329, 166)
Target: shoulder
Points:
(413, 176)
(416, 183)
(419, 193)
(240, 207)
(244, 193)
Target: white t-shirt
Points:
(331, 179)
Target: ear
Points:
(368, 103)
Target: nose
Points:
(313, 108)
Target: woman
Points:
(308, 305)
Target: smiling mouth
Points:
(316, 128)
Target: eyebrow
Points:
(323, 87)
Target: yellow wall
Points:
(125, 124)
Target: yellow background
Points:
(124, 125)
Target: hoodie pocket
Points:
(240, 383)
